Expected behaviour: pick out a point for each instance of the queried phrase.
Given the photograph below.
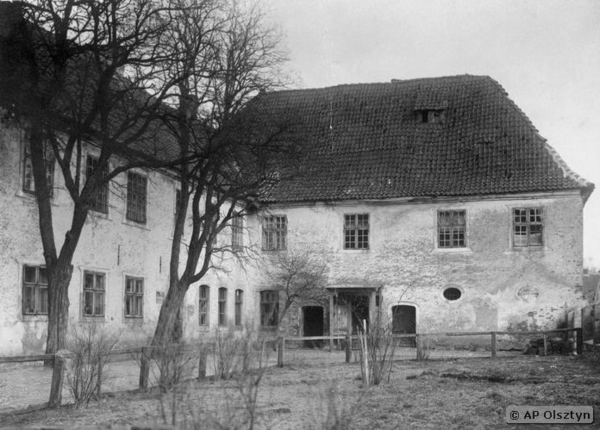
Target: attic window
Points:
(431, 116)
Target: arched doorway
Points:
(404, 321)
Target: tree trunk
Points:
(168, 327)
(58, 307)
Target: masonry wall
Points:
(110, 244)
(503, 288)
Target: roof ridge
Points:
(391, 82)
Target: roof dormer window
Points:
(430, 115)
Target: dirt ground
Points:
(451, 393)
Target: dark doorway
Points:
(313, 325)
(360, 312)
(404, 321)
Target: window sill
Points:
(92, 214)
(32, 198)
(356, 251)
(143, 226)
(525, 249)
(272, 328)
(35, 318)
(93, 318)
(465, 250)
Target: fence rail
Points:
(146, 353)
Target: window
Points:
(451, 229)
(239, 303)
(35, 290)
(134, 297)
(528, 227)
(237, 230)
(222, 306)
(99, 202)
(274, 233)
(269, 308)
(452, 294)
(28, 181)
(356, 231)
(93, 294)
(431, 116)
(136, 197)
(203, 305)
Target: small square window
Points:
(452, 229)
(356, 231)
(528, 227)
(93, 294)
(35, 290)
(274, 233)
(134, 297)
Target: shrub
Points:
(89, 346)
(171, 362)
(376, 353)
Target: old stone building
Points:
(433, 202)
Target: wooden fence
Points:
(420, 340)
(145, 354)
(588, 318)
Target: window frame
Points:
(222, 308)
(356, 232)
(269, 308)
(453, 239)
(27, 176)
(137, 198)
(527, 224)
(237, 233)
(38, 294)
(95, 292)
(274, 233)
(204, 306)
(239, 307)
(134, 297)
(100, 199)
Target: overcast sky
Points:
(545, 53)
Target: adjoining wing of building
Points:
(434, 202)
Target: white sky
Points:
(545, 53)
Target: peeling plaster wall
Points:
(502, 288)
(109, 244)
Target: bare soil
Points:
(457, 393)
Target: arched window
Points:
(239, 304)
(222, 306)
(203, 307)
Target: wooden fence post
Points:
(348, 348)
(545, 344)
(281, 344)
(579, 337)
(144, 369)
(202, 361)
(419, 344)
(58, 372)
(494, 345)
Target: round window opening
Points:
(452, 293)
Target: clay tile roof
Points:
(365, 141)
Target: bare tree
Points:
(238, 151)
(299, 277)
(74, 72)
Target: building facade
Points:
(433, 203)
